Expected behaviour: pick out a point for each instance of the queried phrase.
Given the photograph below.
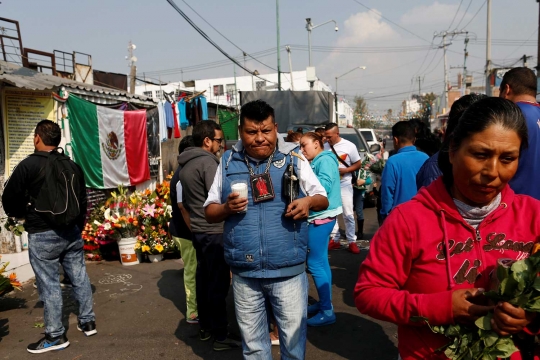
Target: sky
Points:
(394, 39)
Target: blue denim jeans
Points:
(359, 203)
(47, 250)
(288, 298)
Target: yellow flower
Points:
(159, 247)
(145, 248)
(137, 245)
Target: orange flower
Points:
(135, 222)
(118, 225)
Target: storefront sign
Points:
(23, 109)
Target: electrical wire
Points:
(207, 38)
(391, 22)
(465, 13)
(216, 30)
(516, 49)
(454, 18)
(480, 8)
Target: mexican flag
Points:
(109, 145)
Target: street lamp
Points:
(337, 77)
(309, 28)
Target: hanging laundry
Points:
(189, 114)
(196, 115)
(162, 122)
(182, 112)
(175, 123)
(199, 109)
(204, 107)
(169, 118)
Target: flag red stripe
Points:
(136, 146)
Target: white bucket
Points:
(127, 251)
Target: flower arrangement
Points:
(122, 213)
(7, 283)
(375, 164)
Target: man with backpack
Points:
(48, 190)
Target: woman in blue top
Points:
(325, 166)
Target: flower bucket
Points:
(141, 257)
(155, 258)
(127, 251)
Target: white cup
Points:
(240, 187)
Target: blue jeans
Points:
(288, 298)
(317, 262)
(48, 249)
(359, 203)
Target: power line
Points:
(454, 18)
(475, 14)
(203, 34)
(465, 13)
(216, 30)
(390, 21)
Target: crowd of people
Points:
(266, 211)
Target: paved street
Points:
(141, 315)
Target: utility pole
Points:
(465, 55)
(444, 45)
(133, 68)
(278, 47)
(419, 79)
(488, 49)
(524, 59)
(288, 48)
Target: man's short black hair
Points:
(404, 131)
(187, 141)
(204, 129)
(330, 126)
(521, 80)
(257, 110)
(49, 132)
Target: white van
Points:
(369, 135)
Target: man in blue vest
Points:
(266, 244)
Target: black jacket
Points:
(25, 183)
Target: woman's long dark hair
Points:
(477, 118)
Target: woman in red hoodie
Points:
(470, 213)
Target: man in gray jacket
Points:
(199, 165)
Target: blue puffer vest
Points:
(263, 243)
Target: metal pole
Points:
(445, 74)
(488, 49)
(288, 48)
(464, 81)
(278, 47)
(336, 103)
(309, 51)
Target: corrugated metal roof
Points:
(25, 78)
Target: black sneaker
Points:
(231, 342)
(89, 328)
(204, 335)
(48, 344)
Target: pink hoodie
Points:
(407, 274)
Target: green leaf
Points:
(490, 338)
(484, 322)
(506, 347)
(39, 325)
(452, 330)
(502, 273)
(536, 284)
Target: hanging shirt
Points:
(204, 107)
(169, 116)
(176, 128)
(162, 122)
(182, 112)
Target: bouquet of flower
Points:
(519, 285)
(375, 164)
(163, 190)
(122, 213)
(16, 227)
(7, 283)
(153, 240)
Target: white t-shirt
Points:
(308, 182)
(178, 192)
(348, 152)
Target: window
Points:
(147, 93)
(159, 94)
(260, 85)
(367, 135)
(231, 93)
(218, 90)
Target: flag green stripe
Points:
(84, 128)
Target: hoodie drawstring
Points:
(451, 282)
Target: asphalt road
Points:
(141, 315)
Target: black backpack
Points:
(58, 199)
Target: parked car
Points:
(369, 135)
